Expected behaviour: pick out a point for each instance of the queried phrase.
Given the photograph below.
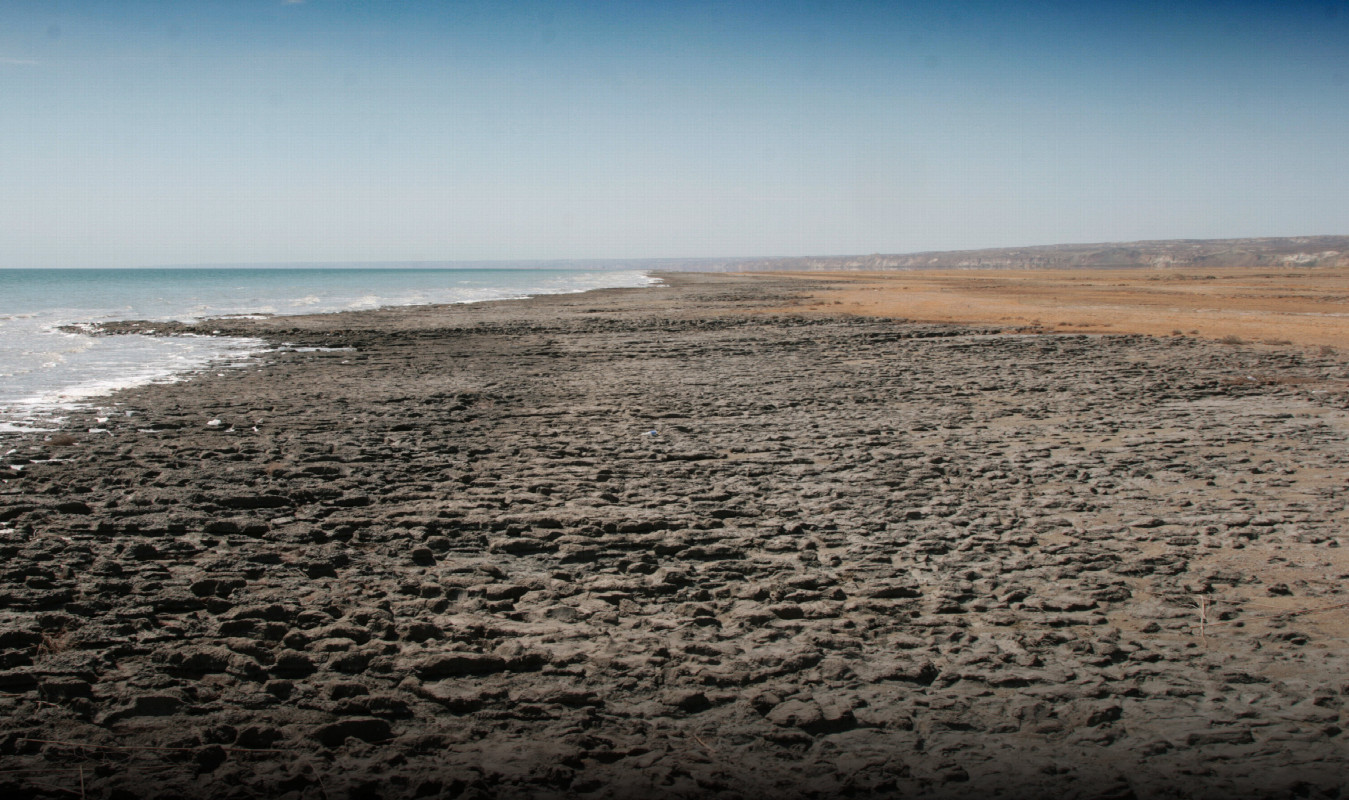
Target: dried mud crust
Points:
(647, 545)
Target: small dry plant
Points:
(1204, 604)
(53, 643)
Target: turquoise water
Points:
(45, 371)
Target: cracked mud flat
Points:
(655, 543)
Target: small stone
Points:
(449, 665)
(367, 729)
(154, 705)
(205, 660)
(422, 631)
(352, 663)
(796, 714)
(210, 757)
(1219, 736)
(144, 551)
(258, 737)
(689, 700)
(280, 689)
(53, 691)
(294, 664)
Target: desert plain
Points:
(962, 534)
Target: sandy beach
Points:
(1073, 535)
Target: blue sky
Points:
(143, 132)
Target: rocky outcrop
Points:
(643, 544)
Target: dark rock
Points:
(423, 631)
(57, 690)
(293, 664)
(258, 737)
(351, 663)
(210, 757)
(367, 729)
(689, 700)
(1220, 736)
(144, 551)
(202, 660)
(248, 502)
(455, 664)
(796, 714)
(152, 705)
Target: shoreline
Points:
(54, 362)
(1222, 301)
(681, 541)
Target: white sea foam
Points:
(50, 365)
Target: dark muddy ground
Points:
(654, 543)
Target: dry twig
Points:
(145, 747)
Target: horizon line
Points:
(536, 263)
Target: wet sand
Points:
(713, 539)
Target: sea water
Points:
(46, 368)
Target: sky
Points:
(155, 132)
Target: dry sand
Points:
(1303, 306)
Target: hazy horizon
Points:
(148, 132)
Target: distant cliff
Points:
(1272, 252)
